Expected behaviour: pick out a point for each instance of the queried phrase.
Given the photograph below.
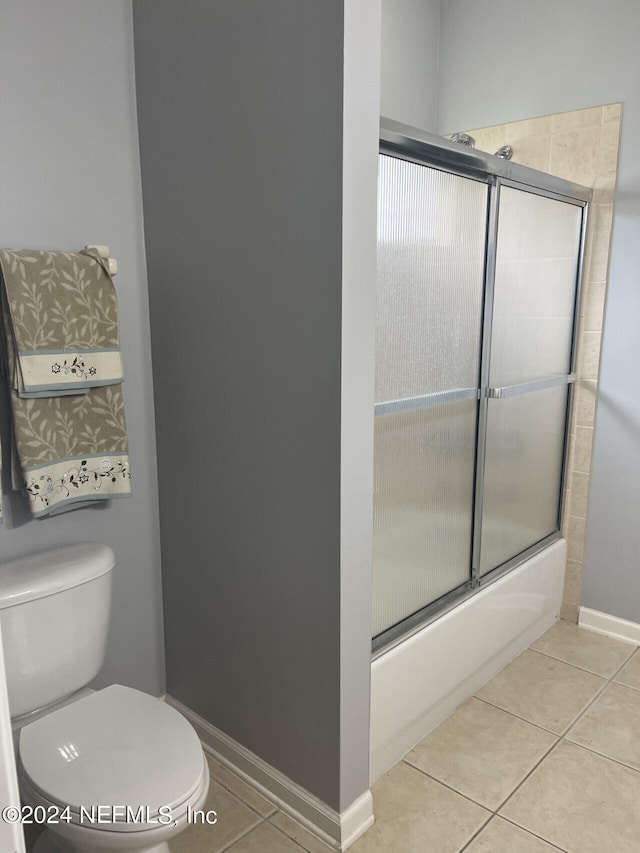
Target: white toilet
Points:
(120, 770)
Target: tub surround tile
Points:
(612, 112)
(529, 127)
(574, 155)
(570, 612)
(630, 673)
(489, 139)
(415, 814)
(585, 649)
(482, 752)
(579, 494)
(299, 834)
(534, 152)
(576, 120)
(500, 836)
(542, 690)
(582, 449)
(598, 260)
(572, 582)
(580, 801)
(611, 726)
(265, 839)
(589, 355)
(242, 791)
(585, 402)
(235, 819)
(574, 532)
(594, 308)
(607, 162)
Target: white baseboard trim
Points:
(610, 626)
(338, 830)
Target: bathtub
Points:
(418, 683)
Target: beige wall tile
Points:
(533, 152)
(600, 215)
(529, 128)
(582, 449)
(575, 530)
(593, 306)
(612, 112)
(604, 188)
(589, 354)
(574, 155)
(573, 582)
(599, 255)
(489, 138)
(576, 120)
(608, 151)
(569, 612)
(585, 402)
(579, 494)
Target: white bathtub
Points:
(418, 683)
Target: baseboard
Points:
(610, 626)
(338, 830)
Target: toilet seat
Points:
(117, 747)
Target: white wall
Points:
(70, 175)
(505, 60)
(409, 62)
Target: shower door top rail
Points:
(408, 142)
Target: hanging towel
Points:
(69, 441)
(61, 321)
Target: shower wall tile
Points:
(582, 146)
(582, 449)
(529, 128)
(593, 307)
(585, 405)
(576, 120)
(579, 493)
(589, 355)
(574, 155)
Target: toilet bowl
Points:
(118, 770)
(105, 770)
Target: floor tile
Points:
(234, 820)
(243, 791)
(415, 814)
(611, 726)
(298, 833)
(586, 649)
(482, 752)
(500, 836)
(265, 839)
(630, 673)
(543, 690)
(580, 801)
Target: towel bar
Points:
(103, 251)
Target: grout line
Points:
(562, 660)
(518, 717)
(535, 834)
(298, 843)
(445, 785)
(241, 836)
(602, 755)
(527, 776)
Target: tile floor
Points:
(545, 758)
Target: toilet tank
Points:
(54, 616)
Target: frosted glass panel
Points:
(523, 468)
(431, 233)
(536, 268)
(424, 475)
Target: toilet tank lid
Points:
(48, 572)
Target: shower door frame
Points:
(425, 149)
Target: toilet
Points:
(117, 768)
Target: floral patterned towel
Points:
(68, 449)
(61, 320)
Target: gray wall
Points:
(69, 175)
(240, 114)
(409, 62)
(504, 60)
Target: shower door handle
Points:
(526, 387)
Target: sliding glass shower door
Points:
(477, 291)
(429, 319)
(536, 265)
